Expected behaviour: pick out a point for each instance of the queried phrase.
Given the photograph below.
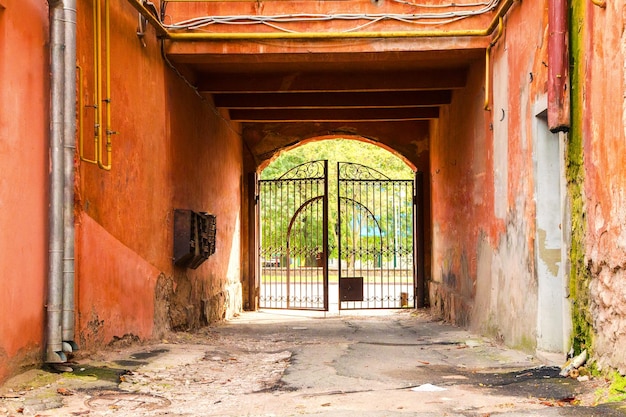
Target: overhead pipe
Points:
(558, 67)
(488, 63)
(69, 144)
(164, 33)
(102, 105)
(107, 76)
(97, 71)
(54, 348)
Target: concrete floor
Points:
(273, 363)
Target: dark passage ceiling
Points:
(327, 87)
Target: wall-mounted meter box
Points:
(194, 238)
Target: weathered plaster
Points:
(172, 150)
(24, 128)
(599, 282)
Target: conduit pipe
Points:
(97, 71)
(107, 76)
(558, 67)
(164, 33)
(488, 62)
(62, 133)
(69, 143)
(101, 104)
(54, 349)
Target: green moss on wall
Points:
(580, 276)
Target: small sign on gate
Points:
(351, 289)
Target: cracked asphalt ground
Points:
(402, 363)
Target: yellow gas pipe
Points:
(98, 111)
(98, 78)
(107, 99)
(488, 64)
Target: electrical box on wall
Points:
(194, 238)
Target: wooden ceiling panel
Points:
(334, 115)
(437, 79)
(375, 99)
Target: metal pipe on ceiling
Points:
(164, 33)
(488, 63)
(106, 100)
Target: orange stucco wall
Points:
(171, 150)
(482, 186)
(603, 117)
(24, 180)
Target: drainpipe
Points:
(54, 348)
(69, 150)
(60, 304)
(558, 68)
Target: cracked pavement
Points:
(277, 363)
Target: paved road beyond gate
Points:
(345, 245)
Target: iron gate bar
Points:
(375, 239)
(294, 196)
(392, 200)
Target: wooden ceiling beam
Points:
(333, 100)
(431, 79)
(334, 115)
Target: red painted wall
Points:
(483, 190)
(24, 180)
(171, 150)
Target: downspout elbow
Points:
(558, 67)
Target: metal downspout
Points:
(558, 67)
(69, 143)
(60, 303)
(54, 349)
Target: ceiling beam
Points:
(438, 79)
(378, 99)
(335, 115)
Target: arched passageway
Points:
(336, 234)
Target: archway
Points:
(343, 238)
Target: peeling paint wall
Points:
(483, 189)
(24, 181)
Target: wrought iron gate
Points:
(367, 256)
(376, 265)
(294, 239)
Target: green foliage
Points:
(340, 150)
(308, 227)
